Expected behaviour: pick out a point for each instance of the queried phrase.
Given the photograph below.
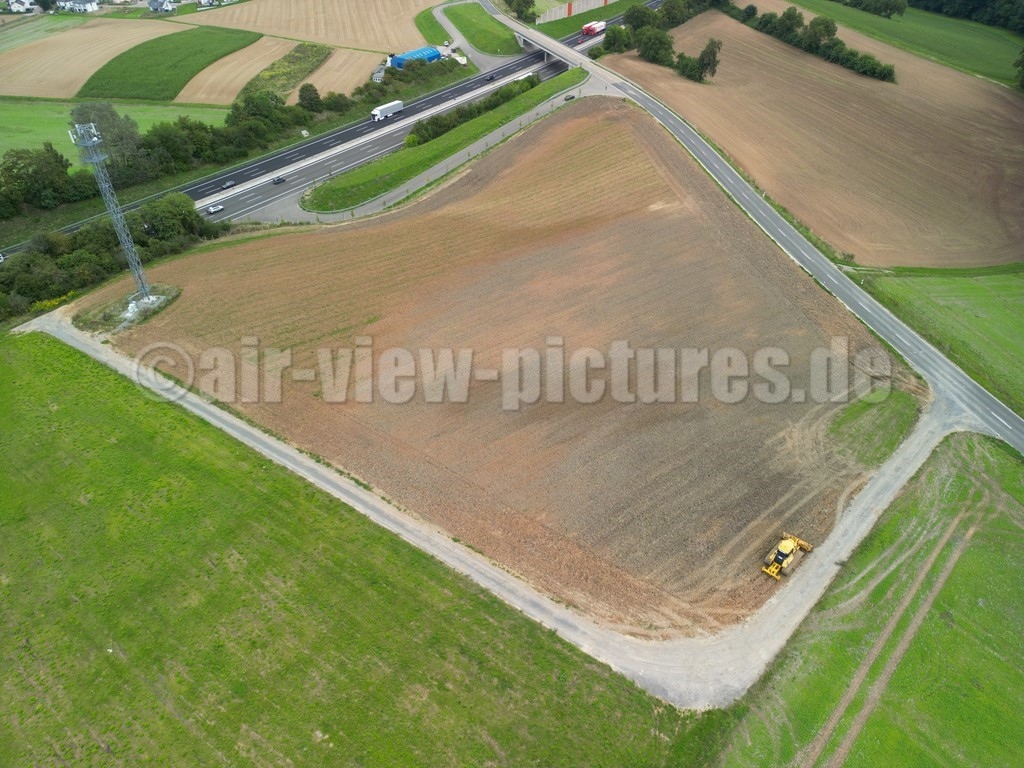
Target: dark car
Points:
(569, 97)
(280, 179)
(489, 78)
(227, 185)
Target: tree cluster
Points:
(1008, 14)
(43, 178)
(645, 28)
(523, 9)
(818, 38)
(57, 263)
(884, 8)
(440, 124)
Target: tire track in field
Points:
(879, 686)
(817, 746)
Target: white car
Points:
(215, 208)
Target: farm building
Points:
(161, 6)
(21, 6)
(427, 54)
(78, 6)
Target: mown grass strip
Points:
(482, 31)
(373, 179)
(958, 43)
(172, 597)
(158, 69)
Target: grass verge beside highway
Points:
(974, 316)
(381, 176)
(958, 43)
(482, 31)
(889, 670)
(158, 69)
(170, 596)
(562, 27)
(431, 29)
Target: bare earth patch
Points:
(376, 25)
(652, 518)
(343, 71)
(925, 172)
(58, 66)
(220, 82)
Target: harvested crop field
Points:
(377, 25)
(925, 172)
(30, 69)
(343, 71)
(220, 82)
(652, 518)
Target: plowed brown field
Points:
(220, 82)
(926, 172)
(378, 25)
(651, 517)
(342, 72)
(58, 66)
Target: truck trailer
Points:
(594, 27)
(385, 111)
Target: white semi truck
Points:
(385, 111)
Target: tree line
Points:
(1008, 14)
(645, 31)
(44, 178)
(440, 124)
(57, 263)
(817, 37)
(523, 9)
(884, 8)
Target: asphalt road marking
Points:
(1000, 419)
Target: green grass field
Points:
(431, 29)
(964, 45)
(563, 27)
(481, 31)
(16, 32)
(380, 176)
(956, 695)
(158, 69)
(872, 427)
(29, 122)
(976, 317)
(171, 597)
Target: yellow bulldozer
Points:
(784, 557)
